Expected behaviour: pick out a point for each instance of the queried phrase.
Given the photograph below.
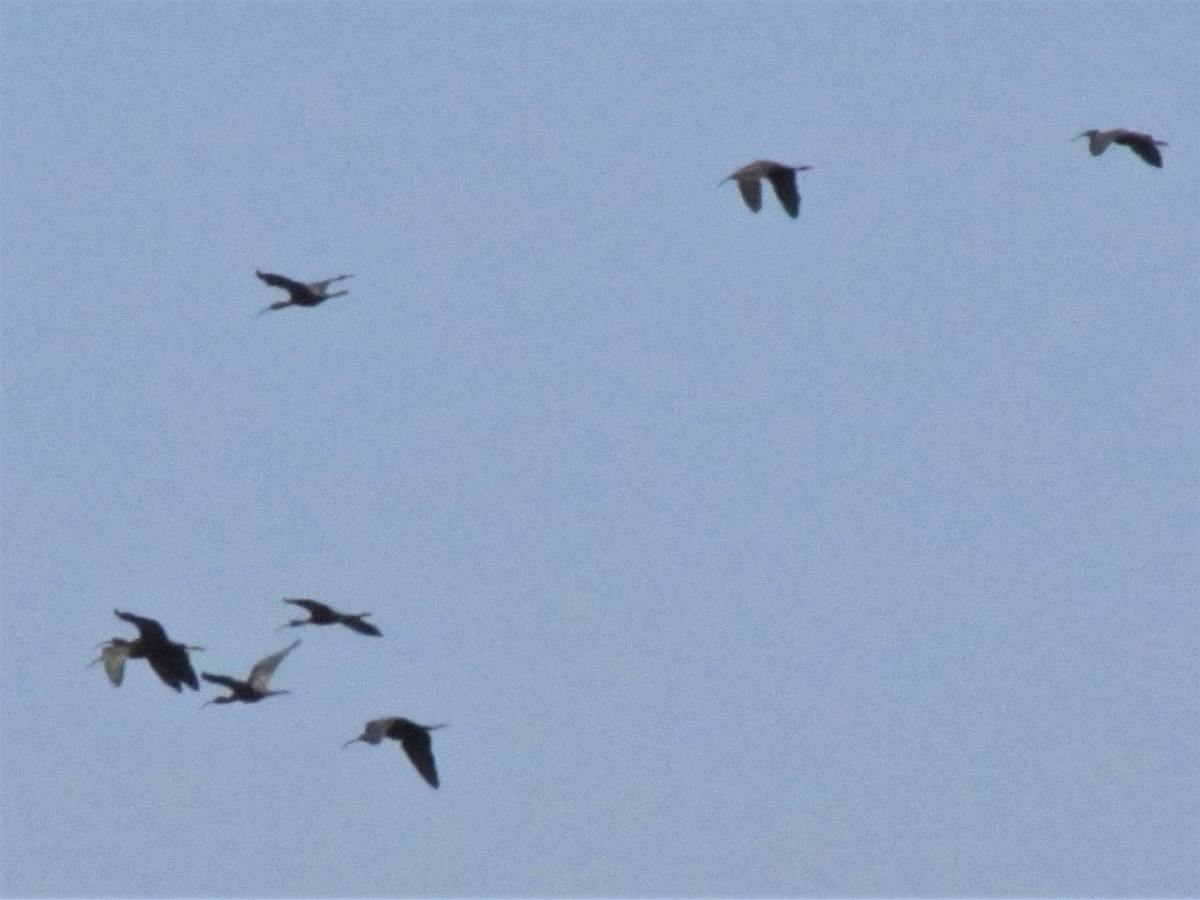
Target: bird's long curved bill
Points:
(348, 743)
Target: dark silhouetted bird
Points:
(1142, 144)
(168, 659)
(299, 293)
(782, 178)
(253, 688)
(320, 614)
(413, 738)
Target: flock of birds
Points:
(170, 661)
(749, 178)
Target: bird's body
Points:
(299, 292)
(1143, 145)
(413, 738)
(253, 688)
(168, 659)
(321, 614)
(782, 178)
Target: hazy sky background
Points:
(851, 555)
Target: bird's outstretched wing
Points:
(321, 288)
(150, 630)
(181, 664)
(223, 680)
(418, 747)
(377, 729)
(751, 189)
(357, 624)
(113, 656)
(261, 674)
(1098, 143)
(313, 606)
(281, 281)
(1144, 146)
(170, 663)
(373, 732)
(784, 182)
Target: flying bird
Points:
(782, 178)
(413, 738)
(1142, 144)
(168, 659)
(253, 688)
(299, 293)
(320, 614)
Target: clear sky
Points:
(855, 554)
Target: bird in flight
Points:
(782, 178)
(413, 738)
(168, 659)
(299, 293)
(1142, 144)
(321, 614)
(253, 688)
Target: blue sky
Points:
(850, 555)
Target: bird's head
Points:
(1091, 132)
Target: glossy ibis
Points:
(168, 659)
(321, 614)
(413, 738)
(1142, 144)
(299, 293)
(253, 688)
(782, 178)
